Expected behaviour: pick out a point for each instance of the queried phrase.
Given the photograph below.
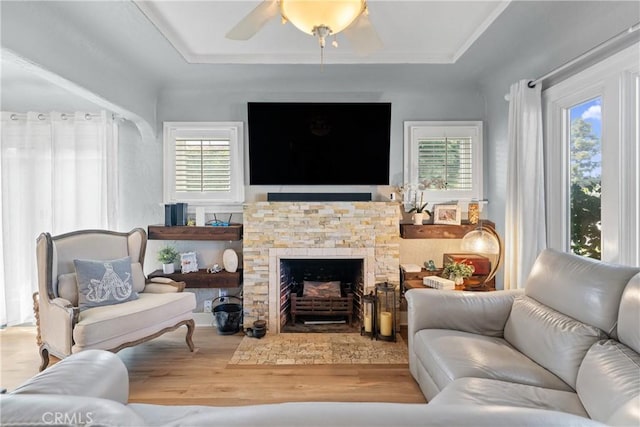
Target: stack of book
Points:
(437, 282)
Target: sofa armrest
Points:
(161, 285)
(90, 373)
(482, 313)
(54, 409)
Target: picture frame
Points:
(446, 214)
(188, 262)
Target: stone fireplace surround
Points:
(312, 230)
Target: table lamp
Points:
(485, 240)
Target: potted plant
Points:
(457, 271)
(167, 257)
(420, 210)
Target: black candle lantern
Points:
(386, 311)
(368, 327)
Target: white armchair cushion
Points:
(104, 282)
(99, 326)
(68, 288)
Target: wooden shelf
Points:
(439, 231)
(202, 279)
(180, 232)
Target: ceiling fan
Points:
(319, 18)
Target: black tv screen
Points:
(319, 143)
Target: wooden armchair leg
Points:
(44, 356)
(191, 326)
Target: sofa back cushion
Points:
(551, 339)
(629, 316)
(582, 288)
(609, 384)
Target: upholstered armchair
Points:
(115, 308)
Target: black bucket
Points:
(228, 318)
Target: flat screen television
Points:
(319, 143)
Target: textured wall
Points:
(320, 225)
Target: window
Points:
(203, 163)
(444, 159)
(592, 160)
(585, 177)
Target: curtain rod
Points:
(64, 116)
(590, 52)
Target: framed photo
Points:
(188, 262)
(446, 214)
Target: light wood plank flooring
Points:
(163, 371)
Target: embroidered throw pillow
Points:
(104, 282)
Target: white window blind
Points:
(446, 160)
(203, 166)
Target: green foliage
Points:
(585, 191)
(167, 255)
(585, 219)
(458, 269)
(585, 146)
(420, 207)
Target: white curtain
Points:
(58, 174)
(525, 226)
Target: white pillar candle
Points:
(367, 324)
(386, 324)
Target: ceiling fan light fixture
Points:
(307, 15)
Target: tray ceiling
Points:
(413, 32)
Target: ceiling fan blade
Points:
(254, 21)
(363, 36)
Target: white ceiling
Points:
(413, 32)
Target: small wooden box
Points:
(481, 263)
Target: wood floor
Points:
(163, 371)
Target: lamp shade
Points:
(334, 14)
(480, 241)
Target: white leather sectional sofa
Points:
(569, 342)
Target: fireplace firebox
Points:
(315, 293)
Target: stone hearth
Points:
(274, 230)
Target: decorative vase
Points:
(458, 280)
(417, 218)
(168, 268)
